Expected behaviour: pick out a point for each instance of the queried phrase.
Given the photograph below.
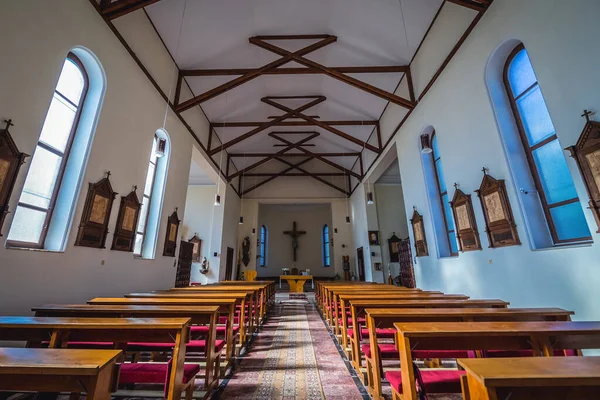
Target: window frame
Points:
(65, 157)
(144, 233)
(441, 196)
(528, 149)
(326, 246)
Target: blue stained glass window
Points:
(552, 176)
(440, 176)
(520, 73)
(554, 173)
(326, 247)
(570, 222)
(262, 248)
(534, 114)
(448, 212)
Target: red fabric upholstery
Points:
(388, 351)
(199, 346)
(203, 330)
(437, 381)
(153, 373)
(361, 320)
(236, 320)
(381, 333)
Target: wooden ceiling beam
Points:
(275, 176)
(477, 5)
(273, 155)
(316, 156)
(320, 124)
(186, 105)
(296, 71)
(237, 155)
(257, 174)
(334, 74)
(249, 124)
(316, 177)
(120, 8)
(262, 127)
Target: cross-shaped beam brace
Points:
(318, 178)
(275, 176)
(266, 125)
(252, 74)
(335, 131)
(260, 42)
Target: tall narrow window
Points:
(551, 176)
(326, 248)
(140, 237)
(443, 194)
(262, 247)
(38, 197)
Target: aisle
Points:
(293, 357)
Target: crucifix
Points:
(586, 114)
(295, 235)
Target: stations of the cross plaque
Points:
(295, 234)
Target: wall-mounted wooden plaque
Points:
(11, 160)
(393, 243)
(421, 249)
(587, 154)
(127, 220)
(464, 218)
(500, 224)
(197, 252)
(171, 235)
(96, 214)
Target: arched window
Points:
(326, 248)
(553, 182)
(262, 247)
(45, 208)
(156, 178)
(442, 192)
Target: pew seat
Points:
(194, 346)
(388, 351)
(203, 330)
(132, 373)
(436, 381)
(384, 333)
(361, 321)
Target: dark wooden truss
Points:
(292, 113)
(111, 9)
(281, 156)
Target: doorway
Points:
(229, 264)
(360, 261)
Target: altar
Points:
(296, 282)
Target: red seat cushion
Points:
(436, 381)
(199, 346)
(385, 333)
(203, 330)
(388, 351)
(153, 373)
(361, 320)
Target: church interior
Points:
(300, 199)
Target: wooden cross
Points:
(586, 114)
(485, 170)
(8, 123)
(295, 235)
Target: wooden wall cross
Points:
(295, 235)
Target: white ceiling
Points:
(215, 35)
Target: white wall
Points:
(560, 37)
(133, 110)
(308, 217)
(389, 200)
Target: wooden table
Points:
(548, 378)
(542, 337)
(58, 370)
(296, 282)
(60, 330)
(378, 318)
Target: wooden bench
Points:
(226, 306)
(379, 319)
(120, 331)
(547, 378)
(541, 337)
(59, 370)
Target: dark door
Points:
(184, 265)
(229, 264)
(360, 260)
(407, 271)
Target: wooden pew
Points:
(225, 306)
(547, 378)
(244, 303)
(59, 370)
(541, 337)
(382, 318)
(322, 287)
(121, 331)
